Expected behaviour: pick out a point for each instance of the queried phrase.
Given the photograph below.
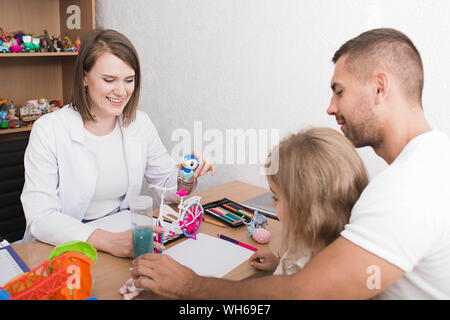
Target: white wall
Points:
(265, 63)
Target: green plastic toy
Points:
(77, 246)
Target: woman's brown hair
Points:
(321, 176)
(93, 45)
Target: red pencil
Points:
(221, 236)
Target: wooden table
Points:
(111, 272)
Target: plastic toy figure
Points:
(258, 221)
(36, 45)
(4, 111)
(27, 45)
(67, 44)
(186, 175)
(48, 42)
(4, 47)
(14, 46)
(77, 44)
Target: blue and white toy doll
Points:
(186, 175)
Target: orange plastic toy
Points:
(66, 276)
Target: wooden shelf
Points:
(39, 54)
(15, 130)
(30, 76)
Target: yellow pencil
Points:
(214, 222)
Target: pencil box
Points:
(229, 212)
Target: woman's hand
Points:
(264, 260)
(204, 166)
(119, 244)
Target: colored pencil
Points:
(221, 216)
(214, 222)
(226, 214)
(239, 209)
(221, 236)
(243, 212)
(229, 213)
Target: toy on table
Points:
(186, 174)
(257, 228)
(65, 276)
(186, 221)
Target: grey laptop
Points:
(262, 203)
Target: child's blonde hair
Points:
(321, 176)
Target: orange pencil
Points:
(214, 222)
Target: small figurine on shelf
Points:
(36, 45)
(30, 112)
(4, 47)
(56, 43)
(43, 106)
(19, 37)
(4, 111)
(13, 119)
(67, 44)
(77, 44)
(186, 175)
(48, 42)
(14, 46)
(55, 105)
(27, 45)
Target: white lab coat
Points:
(61, 173)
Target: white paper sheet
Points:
(209, 256)
(118, 222)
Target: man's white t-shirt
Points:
(403, 216)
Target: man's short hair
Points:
(389, 48)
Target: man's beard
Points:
(363, 129)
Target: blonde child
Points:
(320, 177)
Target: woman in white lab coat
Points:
(88, 159)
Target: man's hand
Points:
(162, 275)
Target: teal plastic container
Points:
(142, 241)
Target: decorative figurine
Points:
(48, 42)
(30, 112)
(77, 44)
(27, 45)
(257, 228)
(14, 46)
(4, 111)
(186, 175)
(4, 47)
(35, 45)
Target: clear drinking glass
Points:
(141, 211)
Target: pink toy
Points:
(16, 49)
(261, 235)
(128, 290)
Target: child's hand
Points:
(264, 260)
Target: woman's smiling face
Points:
(111, 83)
